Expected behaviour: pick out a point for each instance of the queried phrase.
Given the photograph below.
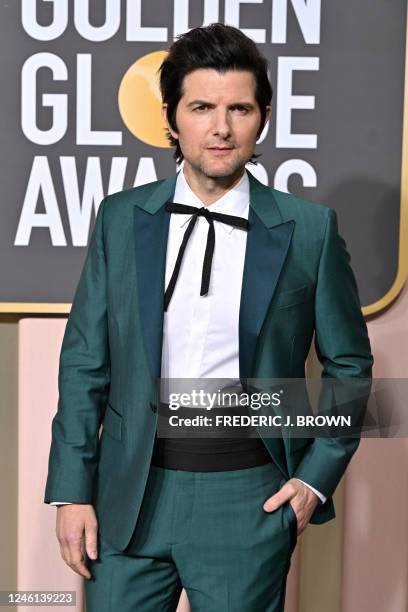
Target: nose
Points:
(221, 126)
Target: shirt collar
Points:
(234, 202)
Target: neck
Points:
(210, 189)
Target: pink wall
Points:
(375, 553)
(40, 566)
(375, 562)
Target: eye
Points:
(241, 109)
(201, 107)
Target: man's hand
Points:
(76, 531)
(305, 501)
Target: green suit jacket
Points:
(297, 281)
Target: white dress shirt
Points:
(201, 333)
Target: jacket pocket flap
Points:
(112, 422)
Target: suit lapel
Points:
(151, 228)
(268, 242)
(266, 250)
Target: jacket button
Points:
(153, 407)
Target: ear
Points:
(164, 115)
(268, 114)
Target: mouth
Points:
(220, 151)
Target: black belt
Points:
(209, 454)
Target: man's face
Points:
(217, 119)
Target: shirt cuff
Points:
(319, 495)
(60, 503)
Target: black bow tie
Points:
(209, 249)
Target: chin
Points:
(218, 174)
(221, 170)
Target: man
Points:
(217, 517)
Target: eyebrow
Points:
(248, 105)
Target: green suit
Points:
(296, 281)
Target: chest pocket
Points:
(291, 297)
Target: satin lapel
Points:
(151, 228)
(267, 246)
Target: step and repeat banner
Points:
(80, 109)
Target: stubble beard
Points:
(209, 171)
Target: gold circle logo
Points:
(139, 100)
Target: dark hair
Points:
(217, 46)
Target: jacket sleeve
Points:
(83, 381)
(343, 348)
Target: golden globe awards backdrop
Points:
(81, 117)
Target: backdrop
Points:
(80, 106)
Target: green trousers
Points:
(206, 532)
